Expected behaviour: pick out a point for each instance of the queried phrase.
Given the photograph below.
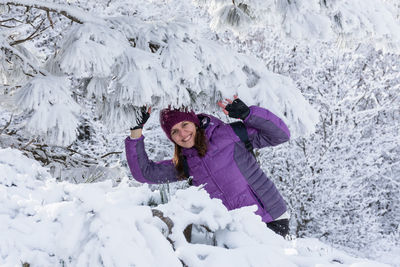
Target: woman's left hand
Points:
(235, 109)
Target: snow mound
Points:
(48, 223)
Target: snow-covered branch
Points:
(34, 34)
(53, 111)
(24, 59)
(71, 13)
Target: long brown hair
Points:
(200, 144)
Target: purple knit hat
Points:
(170, 117)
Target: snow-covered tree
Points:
(129, 62)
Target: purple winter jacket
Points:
(228, 171)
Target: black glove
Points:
(141, 118)
(237, 109)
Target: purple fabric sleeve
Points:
(145, 170)
(265, 128)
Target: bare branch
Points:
(75, 152)
(6, 26)
(33, 35)
(28, 74)
(110, 153)
(28, 144)
(8, 20)
(12, 19)
(31, 21)
(51, 21)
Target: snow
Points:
(48, 223)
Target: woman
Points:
(209, 150)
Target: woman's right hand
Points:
(141, 118)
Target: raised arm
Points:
(143, 169)
(265, 128)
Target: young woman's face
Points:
(184, 133)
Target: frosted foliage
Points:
(312, 19)
(97, 87)
(303, 19)
(372, 18)
(140, 77)
(117, 116)
(53, 111)
(230, 16)
(184, 66)
(90, 50)
(132, 61)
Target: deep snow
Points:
(48, 223)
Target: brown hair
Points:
(200, 144)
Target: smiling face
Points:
(184, 133)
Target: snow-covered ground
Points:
(48, 223)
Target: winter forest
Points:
(75, 73)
